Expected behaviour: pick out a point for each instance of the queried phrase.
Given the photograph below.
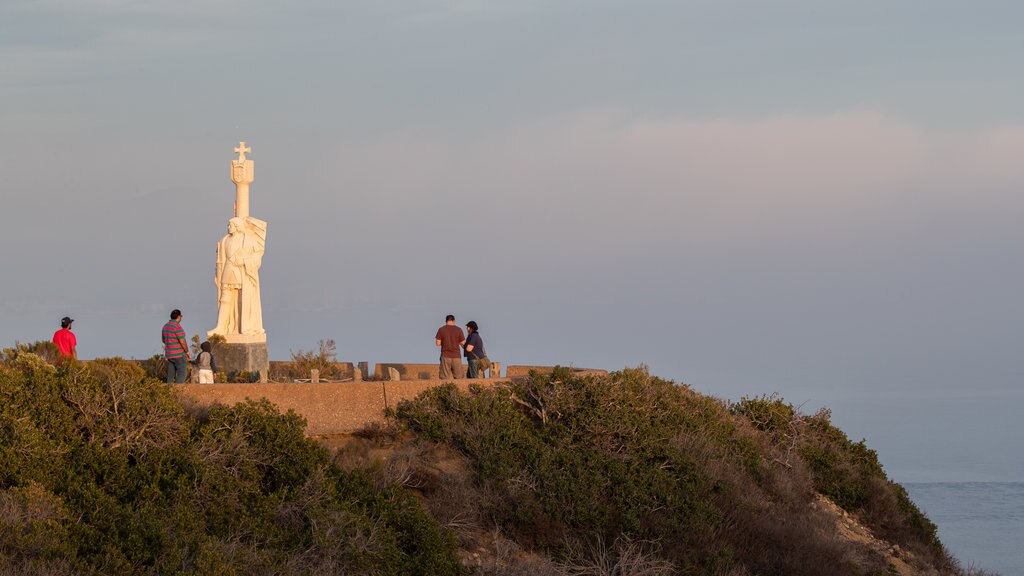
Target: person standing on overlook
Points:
(449, 337)
(65, 340)
(205, 363)
(475, 353)
(175, 349)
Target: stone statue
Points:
(239, 255)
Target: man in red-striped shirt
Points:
(175, 349)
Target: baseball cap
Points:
(65, 321)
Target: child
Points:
(205, 364)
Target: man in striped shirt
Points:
(175, 349)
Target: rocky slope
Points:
(630, 474)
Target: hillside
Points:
(632, 470)
(103, 470)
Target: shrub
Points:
(325, 360)
(117, 405)
(155, 367)
(239, 377)
(848, 473)
(677, 482)
(33, 524)
(628, 458)
(44, 349)
(102, 472)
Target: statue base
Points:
(240, 338)
(238, 358)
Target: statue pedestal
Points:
(235, 357)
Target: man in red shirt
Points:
(449, 337)
(65, 339)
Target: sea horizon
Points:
(980, 523)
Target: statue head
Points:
(236, 224)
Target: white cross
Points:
(242, 149)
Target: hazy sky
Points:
(821, 199)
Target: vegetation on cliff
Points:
(630, 469)
(105, 470)
(102, 471)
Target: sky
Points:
(816, 199)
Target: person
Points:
(67, 344)
(175, 349)
(449, 337)
(474, 349)
(205, 363)
(239, 256)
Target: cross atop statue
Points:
(242, 176)
(242, 149)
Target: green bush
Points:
(325, 360)
(848, 473)
(155, 367)
(45, 349)
(678, 482)
(560, 460)
(102, 472)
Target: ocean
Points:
(981, 523)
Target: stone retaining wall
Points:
(409, 371)
(343, 407)
(329, 408)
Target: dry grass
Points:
(381, 433)
(624, 557)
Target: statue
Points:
(239, 255)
